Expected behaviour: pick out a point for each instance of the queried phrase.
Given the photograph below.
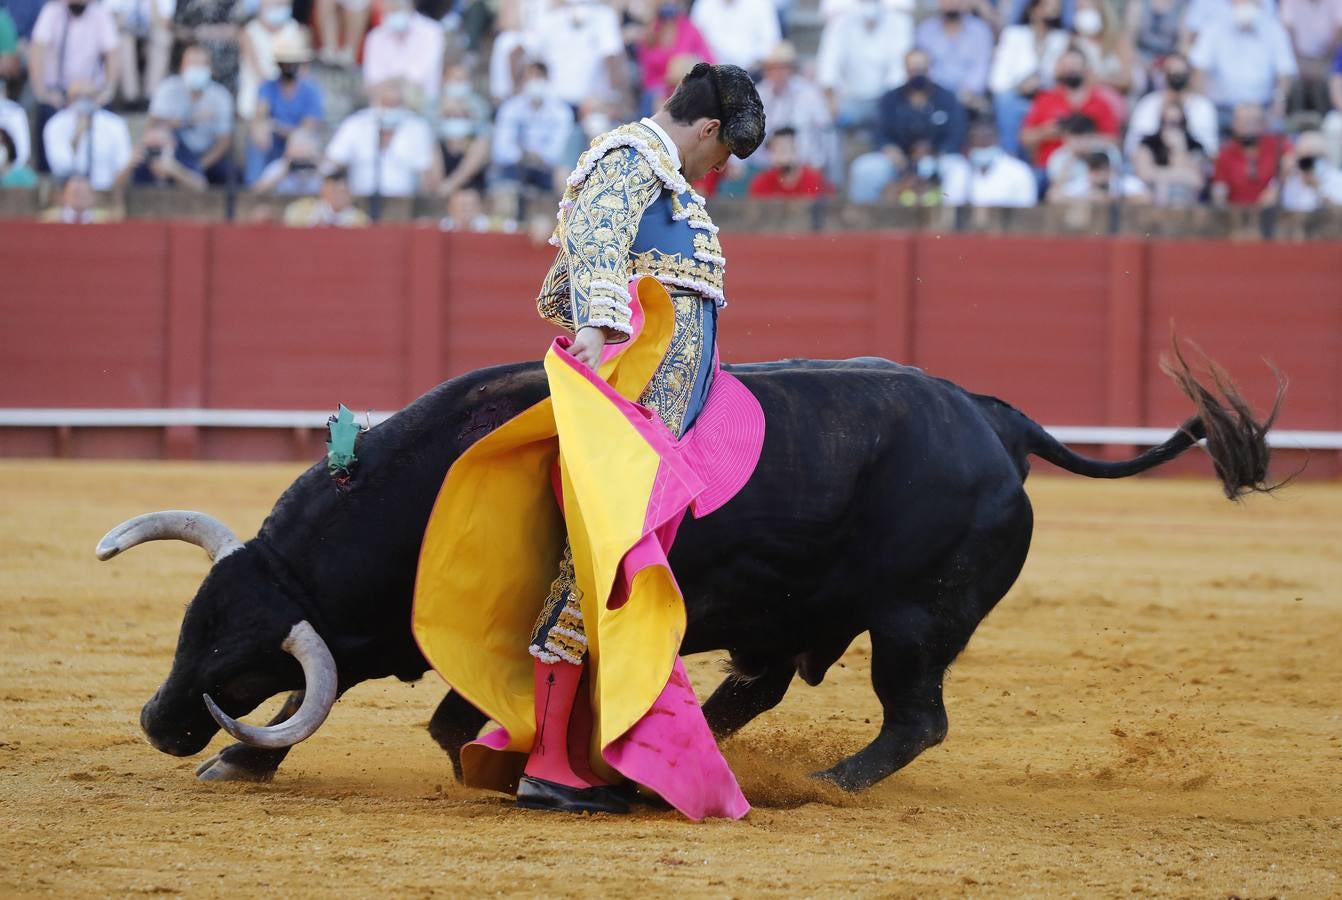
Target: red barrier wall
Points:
(1070, 330)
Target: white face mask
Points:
(982, 157)
(1089, 22)
(390, 117)
(595, 123)
(196, 77)
(275, 16)
(398, 20)
(456, 127)
(536, 88)
(1245, 14)
(870, 12)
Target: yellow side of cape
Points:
(494, 538)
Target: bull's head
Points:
(236, 639)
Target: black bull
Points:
(885, 501)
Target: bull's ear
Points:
(201, 529)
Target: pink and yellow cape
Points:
(494, 540)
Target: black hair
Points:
(339, 173)
(726, 93)
(1098, 159)
(1077, 123)
(9, 146)
(786, 131)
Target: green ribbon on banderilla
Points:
(340, 458)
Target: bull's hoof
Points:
(216, 768)
(841, 778)
(537, 793)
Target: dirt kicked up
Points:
(1156, 708)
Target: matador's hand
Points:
(588, 344)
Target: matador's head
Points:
(724, 105)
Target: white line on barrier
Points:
(299, 418)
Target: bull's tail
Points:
(1236, 438)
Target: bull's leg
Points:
(238, 762)
(908, 684)
(454, 723)
(739, 699)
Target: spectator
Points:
(1102, 183)
(213, 24)
(1311, 182)
(290, 102)
(1199, 112)
(14, 122)
(1154, 30)
(1201, 13)
(298, 171)
(466, 212)
(13, 172)
(787, 176)
(1315, 27)
(78, 205)
(594, 119)
(463, 143)
(1245, 56)
(861, 57)
(154, 163)
(200, 113)
(671, 37)
(792, 100)
(333, 209)
(273, 22)
(387, 149)
(458, 84)
(740, 32)
(960, 46)
(579, 42)
(1249, 162)
(11, 64)
(87, 141)
(73, 40)
(1023, 65)
(987, 176)
(342, 24)
(409, 46)
(147, 22)
(1171, 161)
(531, 133)
(1041, 134)
(920, 110)
(1101, 37)
(1080, 139)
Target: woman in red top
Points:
(785, 177)
(1248, 164)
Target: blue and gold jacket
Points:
(627, 212)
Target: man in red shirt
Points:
(786, 177)
(1248, 164)
(1040, 133)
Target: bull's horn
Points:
(205, 531)
(319, 674)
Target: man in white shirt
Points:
(85, 140)
(531, 132)
(792, 100)
(1199, 112)
(387, 149)
(407, 45)
(199, 111)
(741, 32)
(1245, 56)
(579, 41)
(861, 57)
(989, 176)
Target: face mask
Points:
(1089, 22)
(952, 15)
(196, 77)
(288, 71)
(1071, 80)
(536, 89)
(1248, 140)
(398, 20)
(1177, 81)
(919, 82)
(871, 12)
(927, 167)
(1244, 15)
(77, 9)
(276, 16)
(1306, 163)
(455, 128)
(458, 90)
(1053, 23)
(595, 123)
(388, 118)
(982, 157)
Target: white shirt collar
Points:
(665, 138)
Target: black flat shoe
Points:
(537, 793)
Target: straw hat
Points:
(290, 45)
(783, 54)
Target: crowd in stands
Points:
(487, 104)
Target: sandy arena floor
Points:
(1156, 708)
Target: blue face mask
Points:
(927, 167)
(982, 157)
(275, 16)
